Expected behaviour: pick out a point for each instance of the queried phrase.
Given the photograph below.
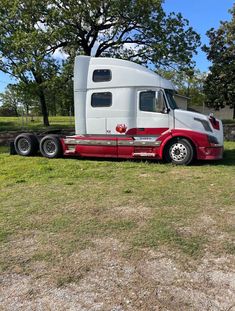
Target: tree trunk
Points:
(43, 107)
(42, 99)
(16, 111)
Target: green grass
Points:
(17, 123)
(4, 149)
(64, 204)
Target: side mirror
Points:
(160, 103)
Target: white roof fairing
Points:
(124, 74)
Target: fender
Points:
(196, 138)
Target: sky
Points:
(202, 15)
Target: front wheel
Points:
(179, 152)
(50, 147)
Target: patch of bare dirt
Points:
(204, 223)
(207, 286)
(101, 278)
(137, 213)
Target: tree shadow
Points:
(229, 157)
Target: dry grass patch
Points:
(100, 278)
(139, 213)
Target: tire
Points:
(179, 152)
(26, 144)
(50, 147)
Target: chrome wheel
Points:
(23, 145)
(50, 147)
(26, 144)
(178, 152)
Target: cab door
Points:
(153, 116)
(98, 106)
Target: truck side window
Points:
(101, 99)
(149, 102)
(102, 75)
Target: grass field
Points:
(100, 235)
(17, 123)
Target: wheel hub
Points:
(178, 152)
(23, 145)
(49, 147)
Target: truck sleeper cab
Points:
(123, 110)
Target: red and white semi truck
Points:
(123, 110)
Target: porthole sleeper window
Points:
(102, 75)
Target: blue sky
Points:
(202, 15)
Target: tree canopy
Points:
(32, 31)
(9, 102)
(24, 47)
(189, 83)
(220, 82)
(138, 30)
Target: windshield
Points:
(170, 99)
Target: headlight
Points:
(212, 140)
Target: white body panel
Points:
(188, 120)
(152, 119)
(104, 120)
(80, 84)
(127, 80)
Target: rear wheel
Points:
(179, 152)
(26, 144)
(50, 147)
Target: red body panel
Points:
(135, 145)
(204, 150)
(99, 146)
(125, 151)
(210, 153)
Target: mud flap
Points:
(12, 149)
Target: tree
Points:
(189, 83)
(24, 43)
(18, 98)
(9, 102)
(59, 93)
(137, 30)
(31, 31)
(220, 83)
